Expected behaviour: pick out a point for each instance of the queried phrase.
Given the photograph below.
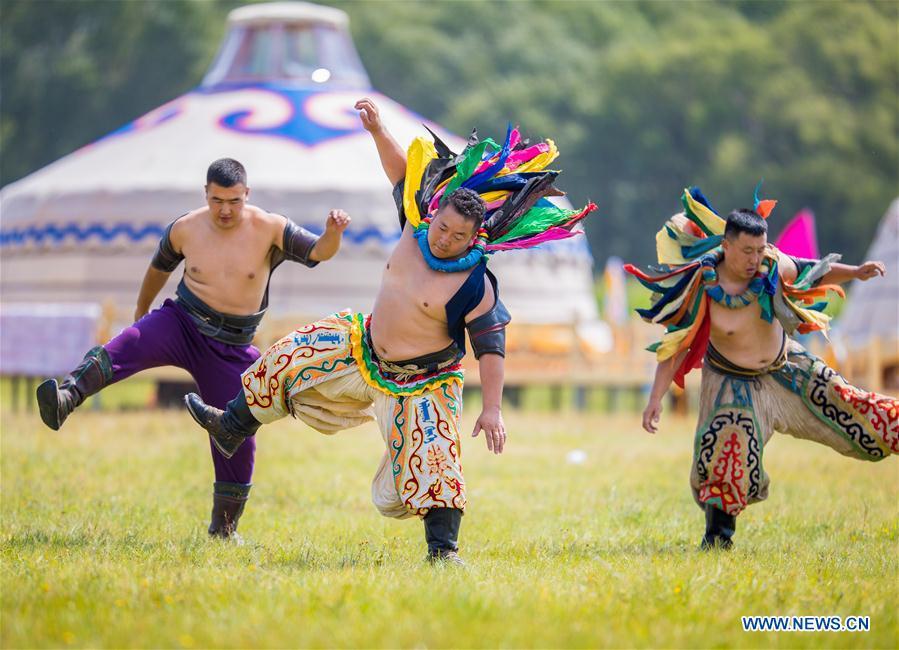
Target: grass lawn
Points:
(103, 542)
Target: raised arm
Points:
(393, 158)
(296, 244)
(329, 243)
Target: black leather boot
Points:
(229, 428)
(55, 402)
(719, 528)
(228, 501)
(442, 534)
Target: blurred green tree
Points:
(643, 98)
(71, 72)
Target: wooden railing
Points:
(555, 356)
(874, 367)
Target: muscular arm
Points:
(788, 270)
(154, 281)
(840, 273)
(491, 367)
(665, 372)
(329, 243)
(393, 158)
(326, 247)
(165, 260)
(299, 245)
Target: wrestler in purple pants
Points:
(168, 337)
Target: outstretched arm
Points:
(665, 372)
(840, 273)
(393, 158)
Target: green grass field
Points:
(104, 543)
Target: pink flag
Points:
(798, 236)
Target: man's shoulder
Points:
(193, 215)
(188, 222)
(262, 218)
(773, 251)
(191, 218)
(786, 265)
(262, 214)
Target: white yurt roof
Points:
(279, 97)
(872, 307)
(286, 12)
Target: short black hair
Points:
(745, 220)
(467, 203)
(226, 172)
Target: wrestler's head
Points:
(745, 240)
(454, 228)
(226, 191)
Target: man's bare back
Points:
(409, 316)
(228, 269)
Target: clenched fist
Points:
(337, 221)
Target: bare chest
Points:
(410, 281)
(209, 259)
(736, 322)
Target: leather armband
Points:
(166, 258)
(487, 332)
(398, 199)
(298, 244)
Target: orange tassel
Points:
(765, 207)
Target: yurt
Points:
(867, 331)
(278, 97)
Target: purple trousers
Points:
(168, 337)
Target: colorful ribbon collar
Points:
(761, 288)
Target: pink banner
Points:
(798, 236)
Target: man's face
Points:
(450, 234)
(743, 254)
(226, 203)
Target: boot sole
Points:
(48, 404)
(446, 562)
(716, 546)
(215, 443)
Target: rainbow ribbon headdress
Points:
(512, 179)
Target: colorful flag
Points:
(798, 236)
